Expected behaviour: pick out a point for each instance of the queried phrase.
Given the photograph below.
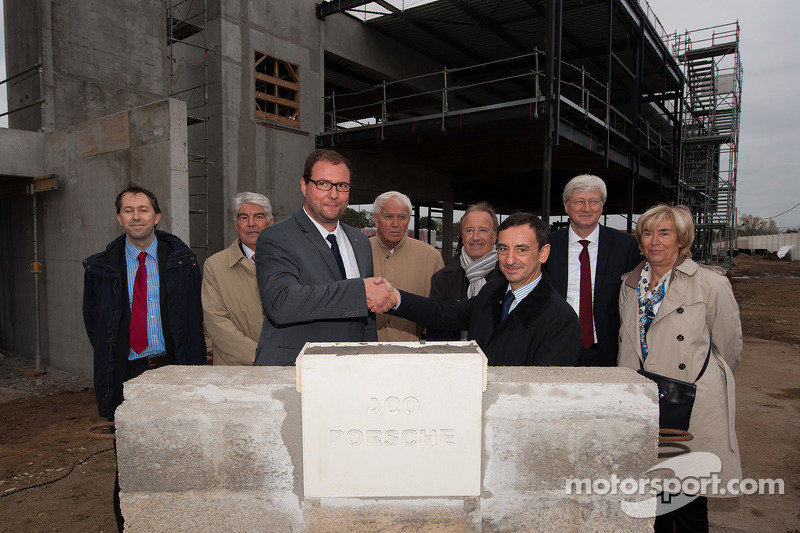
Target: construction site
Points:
(450, 102)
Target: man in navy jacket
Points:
(519, 320)
(173, 288)
(171, 330)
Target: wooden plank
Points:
(278, 118)
(46, 183)
(294, 71)
(278, 100)
(277, 81)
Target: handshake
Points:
(381, 296)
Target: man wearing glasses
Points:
(586, 265)
(315, 274)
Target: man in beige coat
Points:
(406, 263)
(231, 303)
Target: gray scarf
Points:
(477, 271)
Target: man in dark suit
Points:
(519, 320)
(472, 267)
(587, 248)
(314, 273)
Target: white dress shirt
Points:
(345, 249)
(574, 268)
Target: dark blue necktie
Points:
(336, 254)
(506, 305)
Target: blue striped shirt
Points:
(522, 292)
(155, 336)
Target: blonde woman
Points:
(675, 314)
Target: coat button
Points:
(680, 337)
(679, 310)
(682, 366)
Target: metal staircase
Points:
(710, 137)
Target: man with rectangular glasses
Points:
(314, 273)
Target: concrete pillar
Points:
(218, 448)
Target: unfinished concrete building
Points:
(450, 102)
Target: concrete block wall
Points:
(216, 448)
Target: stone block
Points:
(219, 448)
(190, 428)
(397, 420)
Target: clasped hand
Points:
(381, 296)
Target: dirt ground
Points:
(43, 419)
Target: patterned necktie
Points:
(336, 254)
(139, 308)
(506, 305)
(585, 307)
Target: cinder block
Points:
(216, 448)
(212, 511)
(183, 428)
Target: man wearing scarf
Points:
(472, 267)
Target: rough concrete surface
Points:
(234, 434)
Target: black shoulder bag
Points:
(675, 398)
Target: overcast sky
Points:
(769, 155)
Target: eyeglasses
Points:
(325, 185)
(580, 202)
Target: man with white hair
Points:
(587, 261)
(406, 263)
(231, 303)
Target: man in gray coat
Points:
(315, 274)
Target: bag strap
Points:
(705, 365)
(702, 370)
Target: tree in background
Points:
(357, 219)
(755, 225)
(436, 224)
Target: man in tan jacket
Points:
(231, 303)
(406, 263)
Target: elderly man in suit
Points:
(315, 274)
(518, 320)
(587, 261)
(472, 267)
(231, 306)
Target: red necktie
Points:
(585, 308)
(139, 308)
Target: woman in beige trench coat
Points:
(672, 310)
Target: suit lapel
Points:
(603, 253)
(315, 238)
(558, 272)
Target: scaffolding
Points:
(710, 137)
(187, 49)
